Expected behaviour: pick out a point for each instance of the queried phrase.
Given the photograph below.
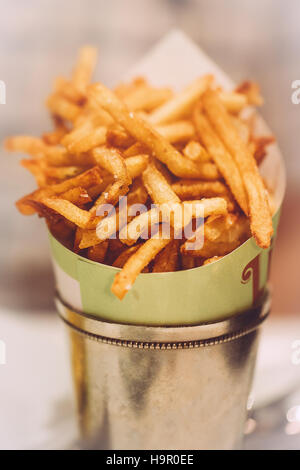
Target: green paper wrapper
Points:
(208, 293)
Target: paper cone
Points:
(204, 294)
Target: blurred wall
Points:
(251, 38)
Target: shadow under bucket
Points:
(145, 387)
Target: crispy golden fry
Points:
(84, 138)
(67, 89)
(140, 130)
(63, 108)
(97, 253)
(61, 172)
(188, 189)
(168, 259)
(157, 186)
(124, 89)
(194, 151)
(260, 214)
(94, 116)
(136, 263)
(224, 161)
(252, 92)
(84, 68)
(68, 210)
(136, 165)
(181, 103)
(145, 98)
(233, 102)
(179, 131)
(78, 196)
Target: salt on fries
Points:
(131, 177)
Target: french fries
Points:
(144, 179)
(259, 210)
(224, 161)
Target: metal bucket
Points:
(141, 387)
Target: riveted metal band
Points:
(91, 327)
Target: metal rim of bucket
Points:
(165, 338)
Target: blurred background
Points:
(256, 39)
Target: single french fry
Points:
(136, 165)
(62, 172)
(63, 108)
(187, 189)
(260, 214)
(145, 98)
(179, 131)
(224, 161)
(78, 196)
(122, 90)
(140, 130)
(194, 151)
(84, 68)
(67, 89)
(68, 210)
(137, 262)
(84, 138)
(234, 102)
(177, 106)
(157, 186)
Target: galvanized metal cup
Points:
(153, 387)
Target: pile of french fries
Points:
(163, 151)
